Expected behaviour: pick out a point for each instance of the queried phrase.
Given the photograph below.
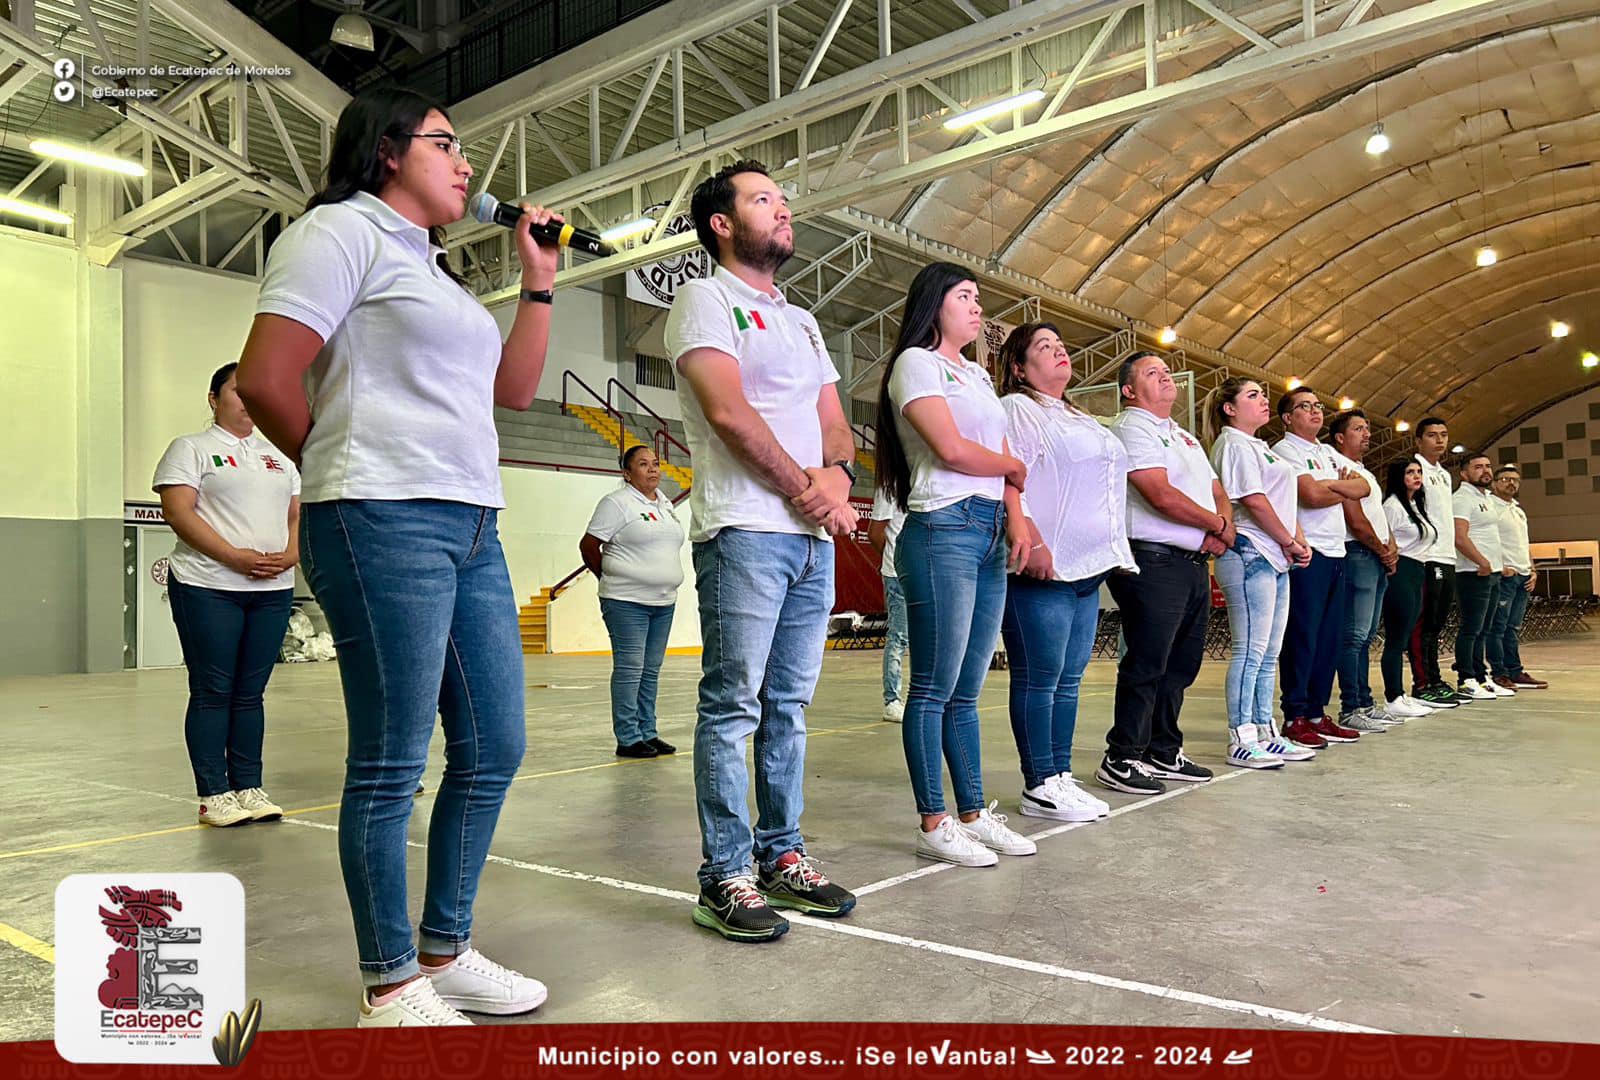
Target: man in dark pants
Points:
(1478, 565)
(1439, 569)
(1178, 516)
(1516, 583)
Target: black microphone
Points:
(486, 208)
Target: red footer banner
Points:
(822, 1051)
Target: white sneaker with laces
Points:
(949, 842)
(223, 810)
(1268, 739)
(990, 830)
(1498, 690)
(1049, 801)
(1416, 703)
(474, 983)
(418, 1005)
(894, 711)
(1072, 790)
(259, 806)
(1402, 709)
(1476, 690)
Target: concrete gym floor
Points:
(1438, 879)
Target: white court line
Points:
(1054, 830)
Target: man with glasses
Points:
(1316, 592)
(1517, 580)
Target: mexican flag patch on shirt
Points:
(748, 320)
(219, 461)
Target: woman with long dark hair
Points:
(942, 457)
(1405, 505)
(1076, 514)
(233, 499)
(403, 368)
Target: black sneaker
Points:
(734, 908)
(662, 746)
(1440, 697)
(796, 883)
(636, 749)
(1180, 768)
(1129, 775)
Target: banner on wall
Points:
(995, 332)
(659, 282)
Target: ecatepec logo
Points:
(148, 966)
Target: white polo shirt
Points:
(1372, 502)
(1247, 466)
(1154, 443)
(243, 490)
(1323, 526)
(967, 389)
(402, 392)
(1477, 507)
(1413, 542)
(1439, 501)
(642, 560)
(783, 367)
(1514, 536)
(1077, 491)
(884, 509)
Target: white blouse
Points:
(1414, 543)
(1077, 490)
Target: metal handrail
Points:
(863, 432)
(605, 402)
(661, 421)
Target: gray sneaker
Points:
(1384, 716)
(1358, 720)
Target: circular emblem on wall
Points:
(158, 570)
(663, 279)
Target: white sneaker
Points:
(1476, 690)
(221, 811)
(1420, 707)
(990, 830)
(1048, 800)
(1245, 752)
(418, 1005)
(474, 983)
(894, 711)
(1498, 690)
(1078, 793)
(260, 808)
(1401, 708)
(1269, 740)
(949, 842)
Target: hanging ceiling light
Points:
(1294, 383)
(993, 109)
(1347, 403)
(352, 29)
(1559, 329)
(1590, 360)
(33, 210)
(1377, 142)
(1167, 335)
(628, 229)
(1402, 426)
(1487, 256)
(79, 155)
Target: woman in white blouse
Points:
(1410, 520)
(1254, 574)
(634, 545)
(1076, 511)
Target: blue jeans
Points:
(952, 567)
(1477, 594)
(1049, 629)
(639, 635)
(894, 638)
(1258, 612)
(764, 602)
(1501, 646)
(230, 641)
(424, 620)
(1311, 642)
(1365, 582)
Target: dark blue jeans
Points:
(1049, 629)
(952, 568)
(1502, 647)
(639, 635)
(1365, 582)
(425, 623)
(1311, 644)
(1476, 593)
(230, 641)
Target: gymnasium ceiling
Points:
(1229, 196)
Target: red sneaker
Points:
(1302, 731)
(1333, 731)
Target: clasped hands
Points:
(826, 501)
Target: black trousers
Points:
(1402, 607)
(1478, 593)
(1165, 609)
(1438, 594)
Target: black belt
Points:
(1169, 549)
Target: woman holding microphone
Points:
(634, 546)
(403, 368)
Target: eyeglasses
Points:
(454, 147)
(1308, 406)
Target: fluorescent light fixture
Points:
(1559, 329)
(1487, 256)
(352, 29)
(1294, 383)
(1167, 336)
(628, 229)
(993, 109)
(1590, 360)
(1402, 426)
(1377, 142)
(1347, 403)
(34, 211)
(88, 158)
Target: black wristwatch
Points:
(539, 296)
(848, 471)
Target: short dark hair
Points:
(715, 195)
(1286, 400)
(1427, 422)
(628, 455)
(1125, 372)
(1469, 458)
(1337, 425)
(220, 376)
(1508, 468)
